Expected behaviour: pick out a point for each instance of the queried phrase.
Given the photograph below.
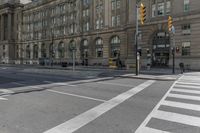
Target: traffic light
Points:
(170, 21)
(142, 13)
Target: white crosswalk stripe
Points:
(186, 91)
(187, 88)
(182, 105)
(151, 130)
(179, 118)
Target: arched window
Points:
(115, 47)
(35, 51)
(72, 45)
(43, 51)
(84, 49)
(51, 51)
(61, 50)
(99, 47)
(28, 52)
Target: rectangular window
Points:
(118, 20)
(161, 7)
(118, 4)
(86, 13)
(153, 10)
(113, 4)
(97, 24)
(186, 5)
(185, 48)
(168, 7)
(113, 21)
(186, 29)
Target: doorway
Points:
(161, 49)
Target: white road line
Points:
(16, 83)
(188, 86)
(72, 85)
(178, 118)
(79, 96)
(4, 99)
(47, 81)
(106, 83)
(185, 83)
(90, 80)
(90, 115)
(179, 96)
(186, 91)
(182, 105)
(63, 84)
(148, 118)
(190, 81)
(151, 130)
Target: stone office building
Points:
(101, 29)
(8, 32)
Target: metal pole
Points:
(173, 71)
(73, 60)
(136, 42)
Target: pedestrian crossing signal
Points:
(142, 13)
(170, 21)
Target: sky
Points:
(25, 1)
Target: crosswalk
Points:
(178, 111)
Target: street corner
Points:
(152, 77)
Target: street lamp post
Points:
(73, 59)
(73, 49)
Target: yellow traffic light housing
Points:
(142, 13)
(170, 21)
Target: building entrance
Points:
(161, 50)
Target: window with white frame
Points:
(186, 29)
(99, 48)
(161, 7)
(186, 5)
(118, 20)
(168, 7)
(185, 48)
(113, 21)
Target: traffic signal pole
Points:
(173, 69)
(172, 30)
(136, 43)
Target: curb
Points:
(36, 88)
(149, 78)
(22, 91)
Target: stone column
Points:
(9, 26)
(31, 51)
(39, 50)
(2, 27)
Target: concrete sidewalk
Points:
(152, 77)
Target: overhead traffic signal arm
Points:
(142, 13)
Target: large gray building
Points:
(99, 30)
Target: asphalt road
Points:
(78, 103)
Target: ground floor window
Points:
(185, 48)
(115, 47)
(99, 48)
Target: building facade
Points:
(8, 29)
(97, 30)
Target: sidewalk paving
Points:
(100, 71)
